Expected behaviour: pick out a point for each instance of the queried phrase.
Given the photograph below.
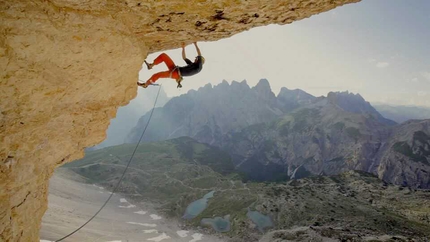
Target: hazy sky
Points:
(379, 49)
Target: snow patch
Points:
(182, 233)
(159, 238)
(122, 200)
(141, 212)
(129, 206)
(98, 187)
(150, 231)
(196, 237)
(144, 224)
(155, 216)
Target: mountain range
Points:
(401, 114)
(294, 134)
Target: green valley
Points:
(174, 173)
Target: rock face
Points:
(67, 65)
(332, 135)
(322, 138)
(407, 159)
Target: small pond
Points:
(218, 224)
(262, 221)
(198, 206)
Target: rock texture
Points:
(67, 65)
(407, 157)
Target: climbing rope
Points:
(123, 174)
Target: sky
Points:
(379, 49)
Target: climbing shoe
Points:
(144, 85)
(149, 65)
(179, 82)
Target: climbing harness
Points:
(123, 174)
(179, 80)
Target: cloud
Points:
(426, 75)
(371, 60)
(415, 80)
(382, 64)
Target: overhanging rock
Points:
(67, 65)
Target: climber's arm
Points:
(198, 50)
(184, 56)
(183, 51)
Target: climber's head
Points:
(199, 58)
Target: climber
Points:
(175, 72)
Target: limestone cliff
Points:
(67, 65)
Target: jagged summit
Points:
(337, 97)
(240, 85)
(355, 103)
(263, 85)
(291, 99)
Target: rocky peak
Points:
(263, 91)
(291, 99)
(263, 83)
(263, 87)
(346, 96)
(223, 84)
(355, 103)
(240, 86)
(207, 86)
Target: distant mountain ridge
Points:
(292, 99)
(294, 134)
(355, 103)
(402, 114)
(211, 112)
